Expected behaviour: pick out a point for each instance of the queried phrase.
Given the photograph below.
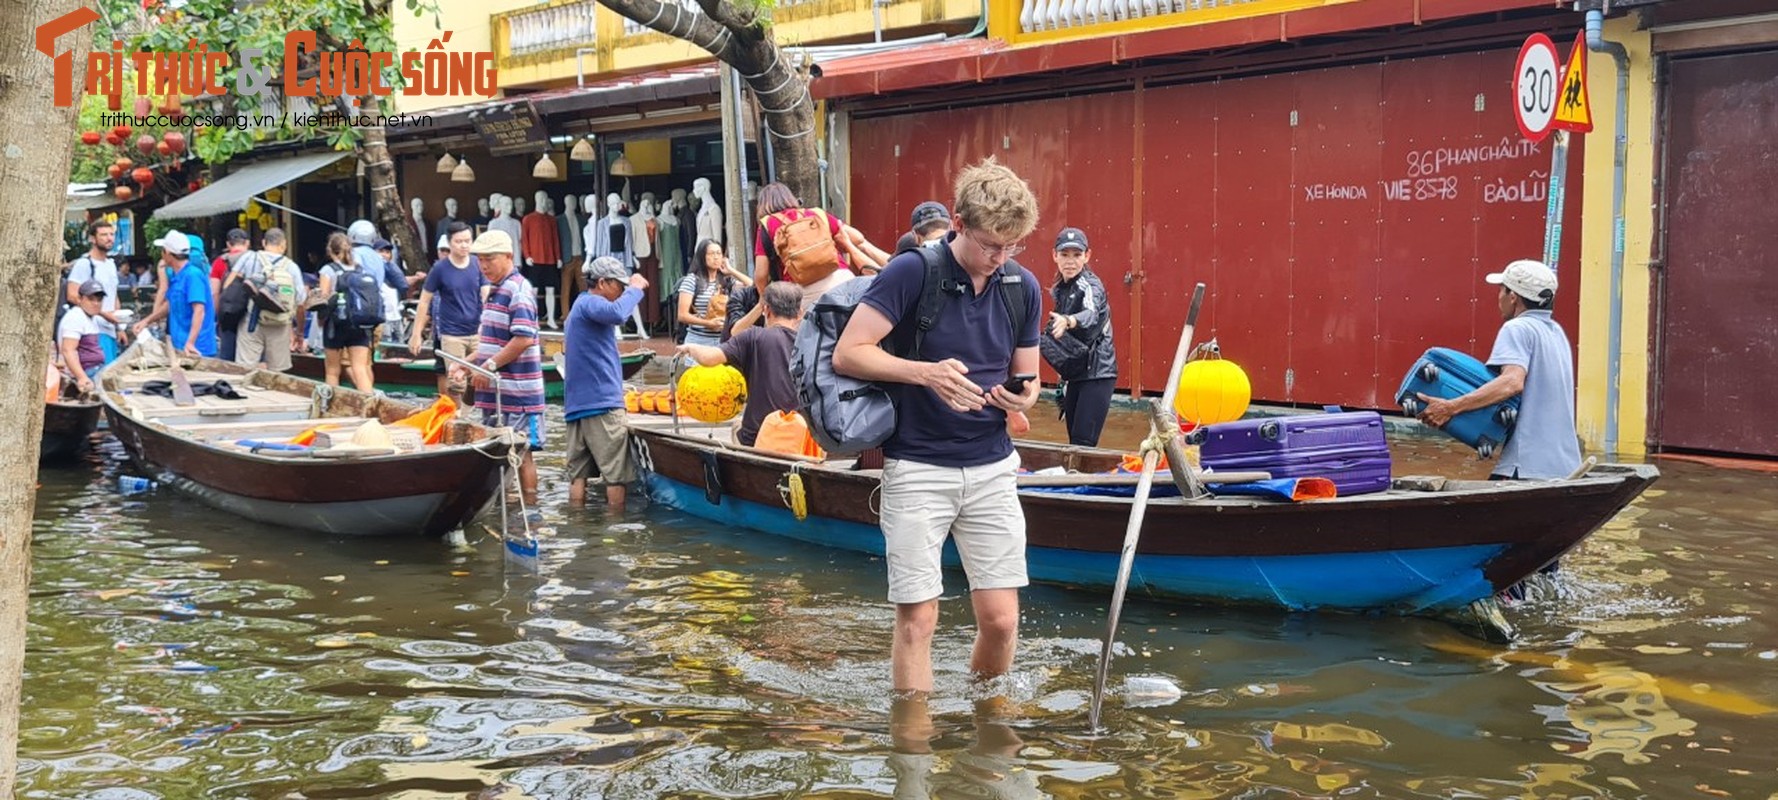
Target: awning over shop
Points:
(231, 193)
(79, 205)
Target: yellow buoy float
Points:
(1212, 389)
(712, 394)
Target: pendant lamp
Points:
(446, 163)
(583, 151)
(622, 167)
(462, 173)
(544, 168)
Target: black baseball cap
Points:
(930, 211)
(1071, 237)
(381, 244)
(238, 235)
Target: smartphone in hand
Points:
(1016, 383)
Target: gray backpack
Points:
(846, 415)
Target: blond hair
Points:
(992, 197)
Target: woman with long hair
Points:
(341, 341)
(710, 276)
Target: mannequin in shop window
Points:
(543, 255)
(710, 222)
(483, 216)
(442, 229)
(504, 221)
(669, 245)
(646, 229)
(568, 236)
(417, 220)
(518, 208)
(612, 236)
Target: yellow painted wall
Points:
(468, 22)
(1642, 158)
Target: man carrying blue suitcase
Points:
(1534, 360)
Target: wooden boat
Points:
(393, 371)
(1425, 546)
(199, 450)
(68, 426)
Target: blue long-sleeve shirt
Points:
(595, 381)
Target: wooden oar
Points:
(182, 395)
(1126, 558)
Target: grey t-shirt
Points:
(1543, 445)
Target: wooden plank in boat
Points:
(296, 425)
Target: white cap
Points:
(1529, 279)
(491, 242)
(174, 242)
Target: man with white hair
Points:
(1535, 362)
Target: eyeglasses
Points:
(1008, 250)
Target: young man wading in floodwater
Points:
(950, 468)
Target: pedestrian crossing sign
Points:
(1574, 107)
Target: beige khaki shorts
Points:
(977, 507)
(459, 346)
(604, 441)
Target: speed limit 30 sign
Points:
(1535, 87)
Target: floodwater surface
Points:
(178, 652)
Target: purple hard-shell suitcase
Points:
(1349, 448)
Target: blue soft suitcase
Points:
(1445, 374)
(1348, 448)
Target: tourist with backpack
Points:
(275, 289)
(352, 306)
(97, 265)
(962, 320)
(807, 246)
(231, 306)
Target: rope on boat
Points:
(794, 495)
(320, 399)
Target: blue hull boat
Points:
(1427, 546)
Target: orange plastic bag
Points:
(1133, 463)
(787, 432)
(52, 384)
(432, 422)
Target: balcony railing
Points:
(1037, 16)
(633, 28)
(557, 27)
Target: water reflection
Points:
(175, 652)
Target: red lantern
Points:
(143, 176)
(145, 144)
(191, 187)
(121, 131)
(114, 171)
(143, 105)
(90, 137)
(163, 149)
(174, 140)
(111, 139)
(124, 192)
(124, 163)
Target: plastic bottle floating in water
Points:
(132, 485)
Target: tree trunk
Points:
(36, 143)
(740, 38)
(391, 213)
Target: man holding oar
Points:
(950, 467)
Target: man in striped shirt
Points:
(508, 346)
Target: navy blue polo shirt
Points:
(973, 329)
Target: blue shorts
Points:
(530, 424)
